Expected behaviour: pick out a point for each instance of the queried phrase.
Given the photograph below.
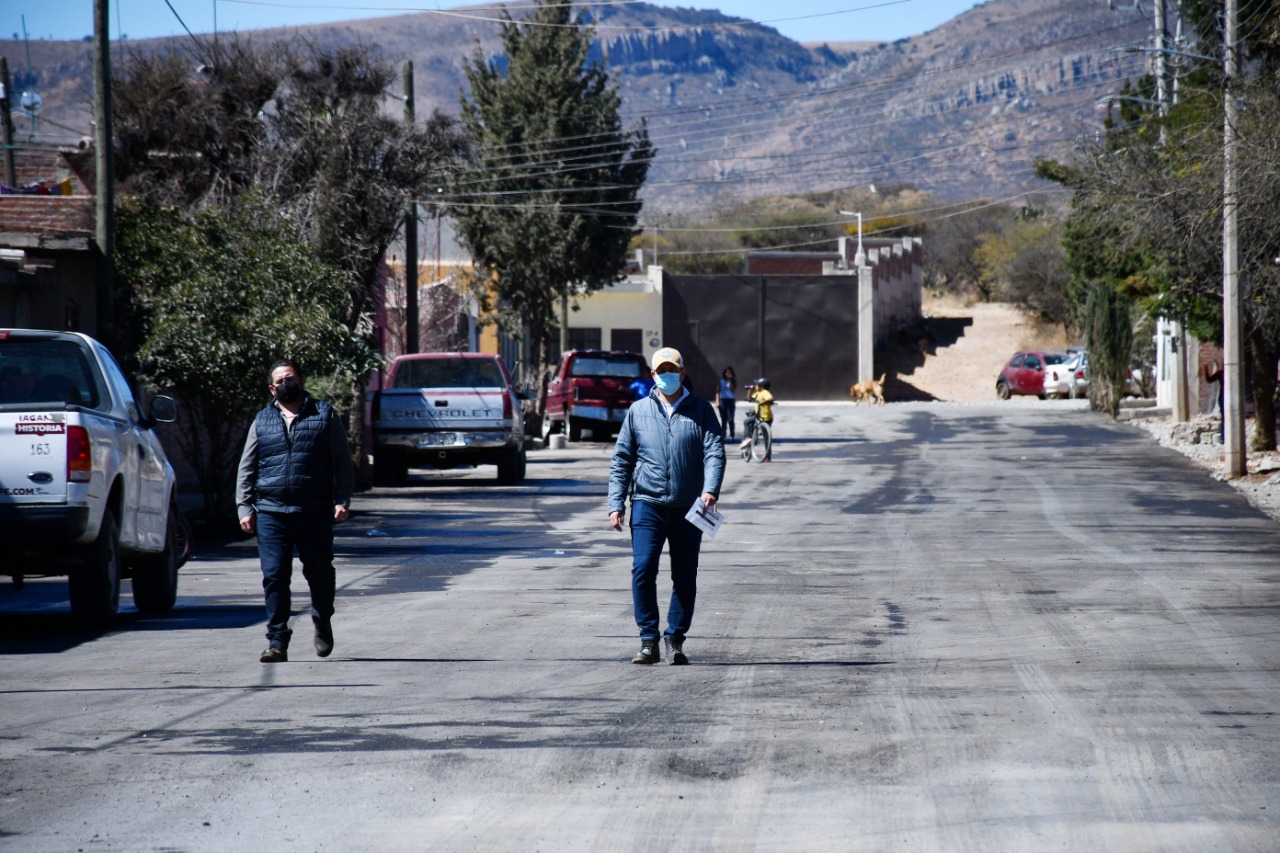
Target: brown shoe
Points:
(275, 654)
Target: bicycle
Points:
(761, 442)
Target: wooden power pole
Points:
(411, 321)
(104, 169)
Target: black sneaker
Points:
(648, 652)
(324, 639)
(675, 651)
(275, 654)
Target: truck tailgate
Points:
(33, 458)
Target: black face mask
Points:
(289, 391)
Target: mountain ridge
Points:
(738, 111)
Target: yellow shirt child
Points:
(764, 404)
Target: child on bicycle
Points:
(759, 394)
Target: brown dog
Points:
(872, 391)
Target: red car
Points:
(1024, 373)
(592, 389)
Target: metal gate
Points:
(800, 331)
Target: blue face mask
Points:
(668, 383)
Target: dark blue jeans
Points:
(726, 415)
(651, 526)
(311, 533)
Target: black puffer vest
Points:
(295, 475)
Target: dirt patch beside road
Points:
(967, 345)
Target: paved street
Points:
(924, 627)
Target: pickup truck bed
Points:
(85, 488)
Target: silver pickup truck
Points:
(444, 410)
(86, 490)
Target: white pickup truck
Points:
(86, 490)
(446, 409)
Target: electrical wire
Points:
(812, 160)
(199, 43)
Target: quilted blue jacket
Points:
(667, 461)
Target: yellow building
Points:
(625, 316)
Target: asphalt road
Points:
(924, 627)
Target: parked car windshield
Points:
(1055, 358)
(617, 368)
(35, 371)
(448, 373)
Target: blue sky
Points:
(803, 20)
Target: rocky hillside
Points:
(737, 111)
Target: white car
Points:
(1068, 378)
(1071, 378)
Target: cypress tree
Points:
(1109, 339)
(549, 204)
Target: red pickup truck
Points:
(592, 389)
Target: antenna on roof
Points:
(30, 99)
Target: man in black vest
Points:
(294, 482)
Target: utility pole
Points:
(564, 322)
(411, 332)
(1162, 88)
(6, 123)
(439, 213)
(1232, 309)
(1174, 342)
(104, 169)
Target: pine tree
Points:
(549, 204)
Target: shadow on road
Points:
(37, 619)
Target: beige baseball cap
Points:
(667, 355)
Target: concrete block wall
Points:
(898, 280)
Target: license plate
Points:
(443, 439)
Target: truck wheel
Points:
(573, 429)
(389, 469)
(155, 579)
(511, 468)
(95, 585)
(549, 427)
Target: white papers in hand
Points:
(706, 520)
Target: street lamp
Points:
(860, 258)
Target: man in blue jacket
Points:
(670, 453)
(295, 481)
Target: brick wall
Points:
(53, 166)
(46, 214)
